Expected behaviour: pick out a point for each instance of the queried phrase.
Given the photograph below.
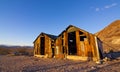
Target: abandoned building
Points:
(72, 43)
(44, 45)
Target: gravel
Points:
(34, 64)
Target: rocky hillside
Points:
(110, 36)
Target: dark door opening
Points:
(53, 52)
(42, 45)
(101, 55)
(72, 43)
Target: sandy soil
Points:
(33, 64)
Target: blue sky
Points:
(21, 21)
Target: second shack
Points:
(75, 43)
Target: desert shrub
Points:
(4, 51)
(23, 51)
(16, 54)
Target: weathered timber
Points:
(44, 45)
(72, 43)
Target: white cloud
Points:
(106, 7)
(114, 4)
(109, 6)
(97, 9)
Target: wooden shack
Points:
(44, 45)
(72, 43)
(75, 43)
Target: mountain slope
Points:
(110, 36)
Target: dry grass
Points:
(33, 64)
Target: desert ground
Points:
(10, 63)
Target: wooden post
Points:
(49, 47)
(86, 46)
(78, 43)
(66, 43)
(97, 50)
(92, 43)
(82, 46)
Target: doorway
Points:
(42, 45)
(72, 43)
(53, 52)
(100, 53)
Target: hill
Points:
(6, 46)
(5, 49)
(110, 36)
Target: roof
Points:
(49, 35)
(55, 37)
(70, 27)
(75, 27)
